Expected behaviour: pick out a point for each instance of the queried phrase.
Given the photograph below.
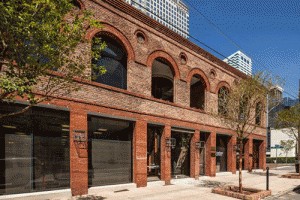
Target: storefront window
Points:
(110, 151)
(34, 150)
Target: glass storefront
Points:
(180, 158)
(221, 154)
(34, 150)
(202, 149)
(153, 152)
(110, 151)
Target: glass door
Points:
(153, 152)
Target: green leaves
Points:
(37, 36)
(289, 118)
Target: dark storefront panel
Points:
(203, 139)
(110, 151)
(255, 158)
(34, 150)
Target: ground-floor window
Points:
(34, 150)
(109, 151)
(153, 152)
(202, 149)
(221, 153)
(255, 155)
(180, 154)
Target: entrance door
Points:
(221, 154)
(255, 162)
(202, 161)
(153, 152)
(202, 153)
(181, 155)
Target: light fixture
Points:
(8, 126)
(98, 133)
(102, 129)
(65, 125)
(65, 129)
(20, 133)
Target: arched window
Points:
(76, 4)
(258, 112)
(162, 80)
(223, 100)
(114, 59)
(197, 92)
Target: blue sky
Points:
(268, 31)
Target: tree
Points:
(38, 49)
(287, 145)
(242, 108)
(290, 119)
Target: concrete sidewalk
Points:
(187, 189)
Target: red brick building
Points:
(145, 119)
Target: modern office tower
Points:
(240, 61)
(172, 13)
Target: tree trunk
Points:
(240, 165)
(298, 145)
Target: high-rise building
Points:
(172, 13)
(240, 61)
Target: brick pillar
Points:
(78, 153)
(195, 156)
(248, 154)
(140, 154)
(262, 155)
(165, 156)
(210, 159)
(231, 155)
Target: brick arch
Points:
(221, 84)
(167, 57)
(110, 29)
(198, 71)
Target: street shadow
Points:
(91, 197)
(211, 184)
(297, 189)
(263, 173)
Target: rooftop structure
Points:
(172, 13)
(240, 61)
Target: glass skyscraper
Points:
(174, 14)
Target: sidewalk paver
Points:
(186, 189)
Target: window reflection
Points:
(114, 59)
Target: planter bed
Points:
(292, 176)
(248, 193)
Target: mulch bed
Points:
(292, 176)
(248, 193)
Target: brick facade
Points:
(137, 104)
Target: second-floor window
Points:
(223, 100)
(197, 92)
(114, 59)
(162, 80)
(258, 112)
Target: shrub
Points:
(281, 160)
